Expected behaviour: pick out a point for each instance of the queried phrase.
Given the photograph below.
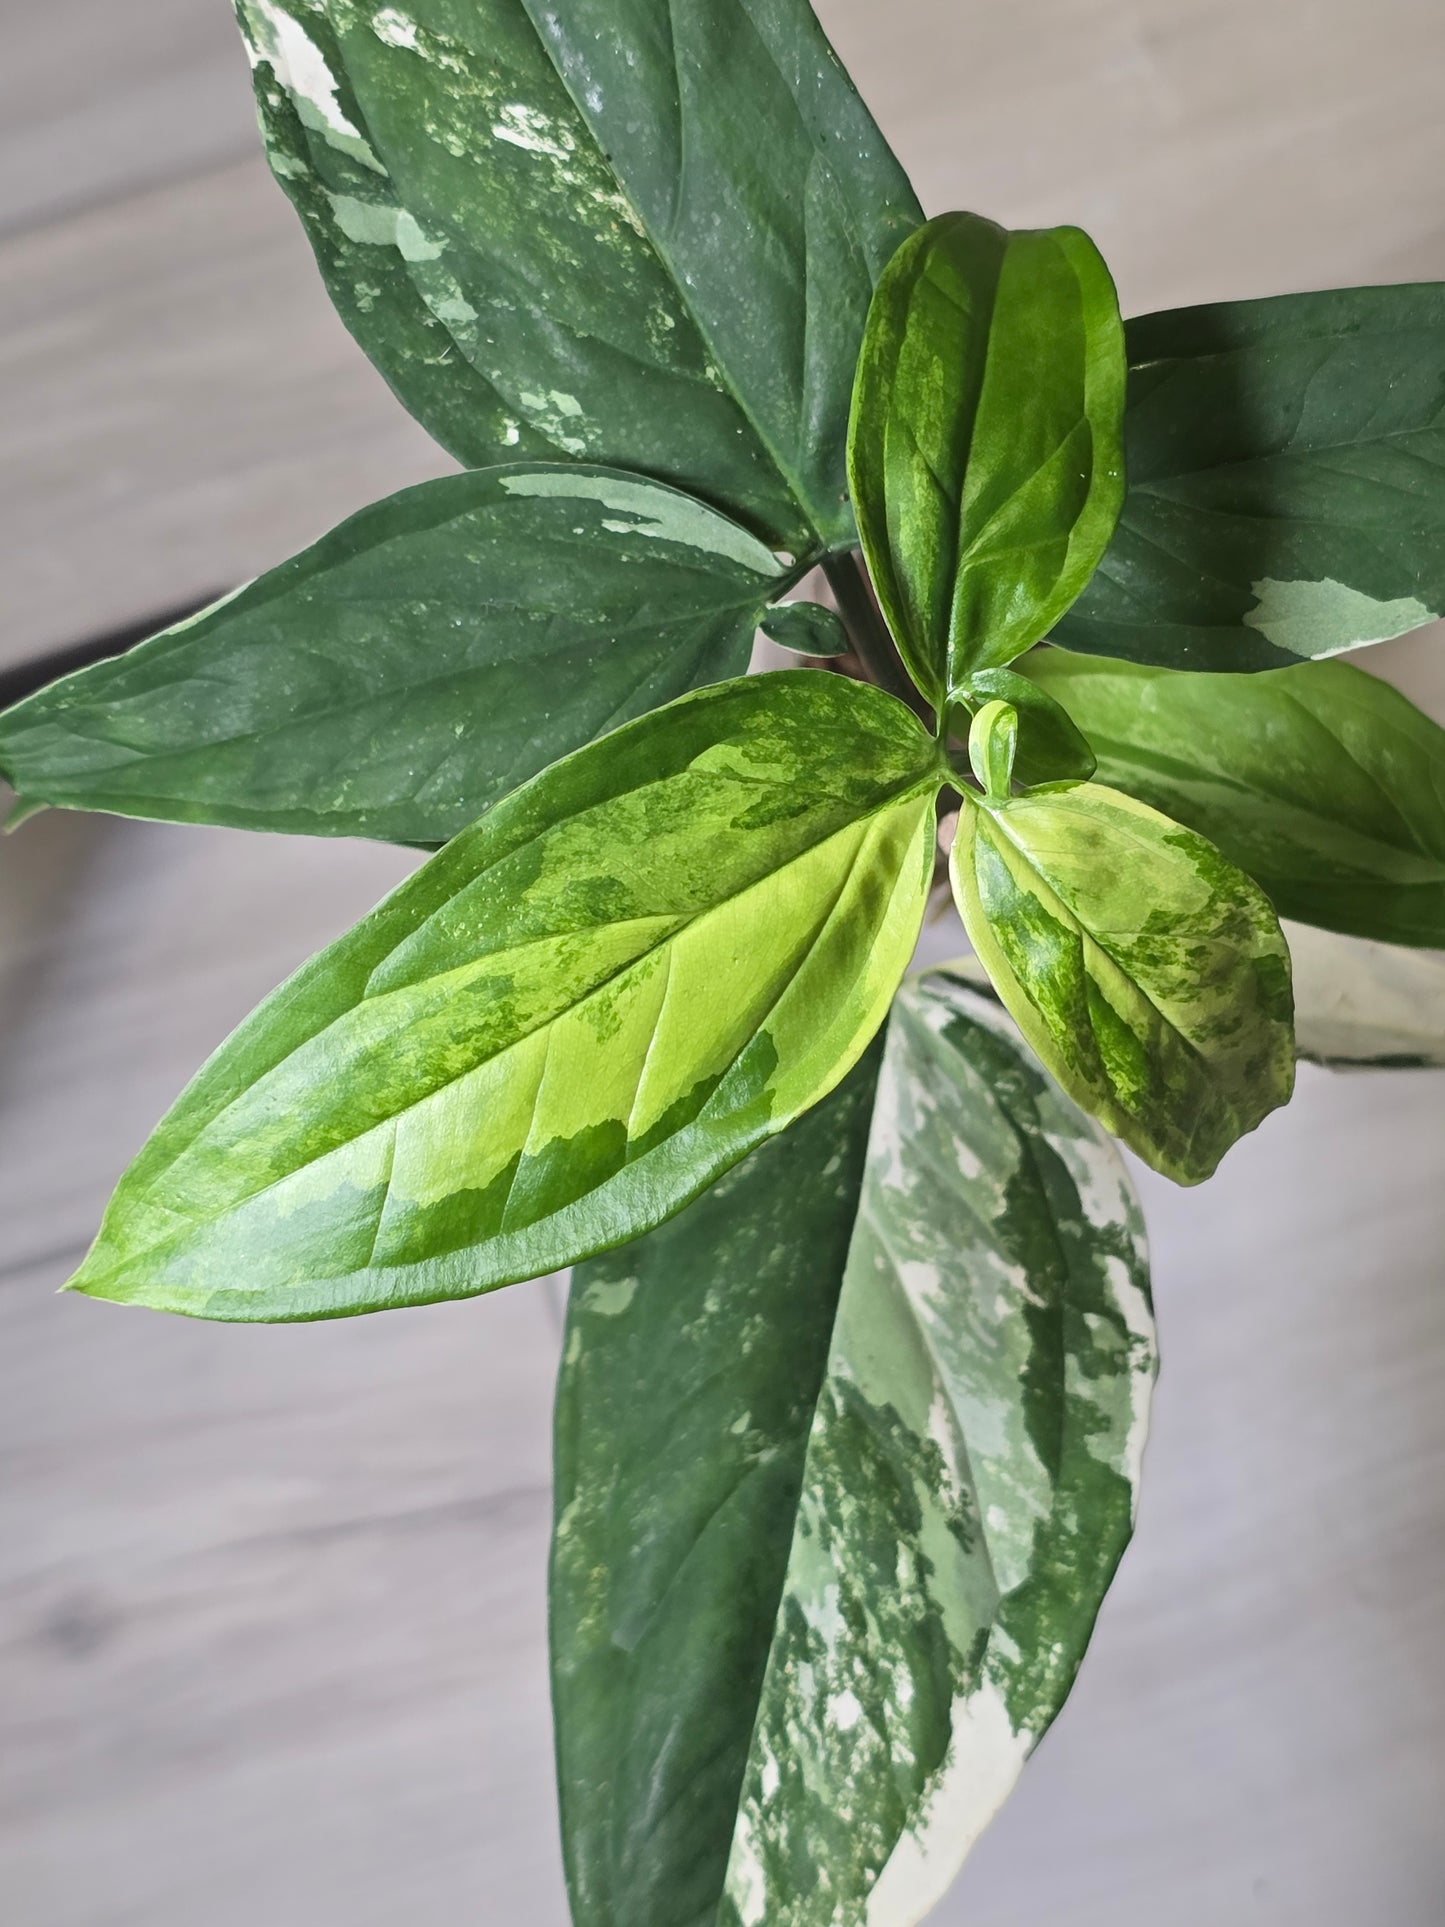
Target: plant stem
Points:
(867, 631)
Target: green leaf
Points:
(591, 1003)
(993, 741)
(418, 662)
(1149, 974)
(1051, 748)
(1286, 496)
(822, 1577)
(1323, 783)
(619, 230)
(1363, 1005)
(985, 448)
(806, 627)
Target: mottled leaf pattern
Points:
(1149, 974)
(985, 444)
(1323, 783)
(936, 1546)
(621, 230)
(1366, 1005)
(1286, 463)
(589, 1005)
(969, 1485)
(418, 662)
(1051, 748)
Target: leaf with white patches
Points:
(622, 230)
(588, 1006)
(1321, 782)
(847, 1455)
(1286, 463)
(1147, 972)
(1362, 1005)
(427, 656)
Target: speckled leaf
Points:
(1366, 1005)
(797, 1669)
(1323, 783)
(418, 662)
(1149, 974)
(618, 230)
(1286, 496)
(985, 447)
(583, 1010)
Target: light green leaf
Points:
(1323, 783)
(418, 662)
(1051, 748)
(806, 627)
(797, 1666)
(590, 1004)
(993, 741)
(619, 230)
(985, 446)
(1286, 496)
(1366, 1005)
(1149, 974)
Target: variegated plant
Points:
(860, 1349)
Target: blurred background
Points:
(272, 1622)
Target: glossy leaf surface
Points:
(427, 656)
(796, 1669)
(1323, 783)
(561, 1028)
(618, 230)
(1051, 748)
(806, 627)
(1149, 974)
(1366, 1005)
(1286, 465)
(985, 450)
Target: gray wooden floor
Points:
(271, 1601)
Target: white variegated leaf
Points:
(969, 1484)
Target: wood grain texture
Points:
(271, 1602)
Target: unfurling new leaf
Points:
(564, 1026)
(815, 1598)
(1149, 974)
(985, 448)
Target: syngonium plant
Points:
(860, 1348)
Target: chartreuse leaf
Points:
(582, 1011)
(985, 446)
(993, 741)
(418, 662)
(619, 230)
(1323, 783)
(1149, 974)
(846, 1456)
(1362, 1004)
(1286, 482)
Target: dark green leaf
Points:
(985, 447)
(589, 1005)
(1286, 496)
(621, 230)
(1149, 974)
(1321, 782)
(417, 663)
(806, 627)
(796, 1671)
(1050, 746)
